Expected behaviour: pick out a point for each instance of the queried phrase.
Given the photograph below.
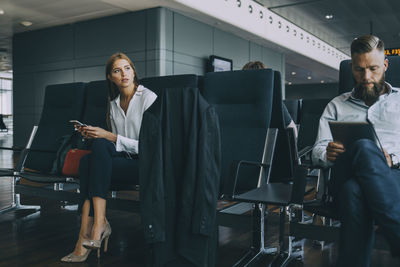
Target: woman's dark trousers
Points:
(104, 167)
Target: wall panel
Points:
(125, 33)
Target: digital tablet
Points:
(349, 132)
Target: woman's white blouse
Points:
(127, 127)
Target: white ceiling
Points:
(351, 18)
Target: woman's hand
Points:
(97, 132)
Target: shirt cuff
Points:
(127, 144)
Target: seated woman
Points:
(114, 153)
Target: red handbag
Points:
(71, 162)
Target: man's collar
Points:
(389, 86)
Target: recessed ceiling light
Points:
(322, 81)
(1, 11)
(309, 77)
(289, 83)
(26, 23)
(293, 73)
(329, 16)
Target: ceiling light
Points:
(293, 73)
(26, 23)
(1, 12)
(329, 16)
(322, 81)
(309, 77)
(289, 83)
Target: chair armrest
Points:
(303, 152)
(229, 192)
(14, 148)
(41, 150)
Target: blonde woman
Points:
(114, 153)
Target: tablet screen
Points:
(349, 132)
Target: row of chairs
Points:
(249, 106)
(290, 197)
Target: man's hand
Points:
(388, 158)
(97, 132)
(333, 150)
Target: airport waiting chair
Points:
(61, 104)
(244, 115)
(290, 197)
(321, 205)
(313, 108)
(294, 108)
(243, 101)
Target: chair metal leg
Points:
(259, 250)
(16, 203)
(294, 250)
(19, 206)
(8, 208)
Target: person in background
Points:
(365, 182)
(114, 153)
(256, 65)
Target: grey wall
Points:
(307, 91)
(193, 42)
(159, 41)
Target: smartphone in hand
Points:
(78, 123)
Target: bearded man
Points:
(365, 182)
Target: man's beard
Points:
(370, 95)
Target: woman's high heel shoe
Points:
(76, 258)
(96, 244)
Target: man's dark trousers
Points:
(366, 192)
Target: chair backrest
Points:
(243, 101)
(95, 104)
(311, 113)
(282, 163)
(158, 83)
(294, 108)
(62, 102)
(346, 80)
